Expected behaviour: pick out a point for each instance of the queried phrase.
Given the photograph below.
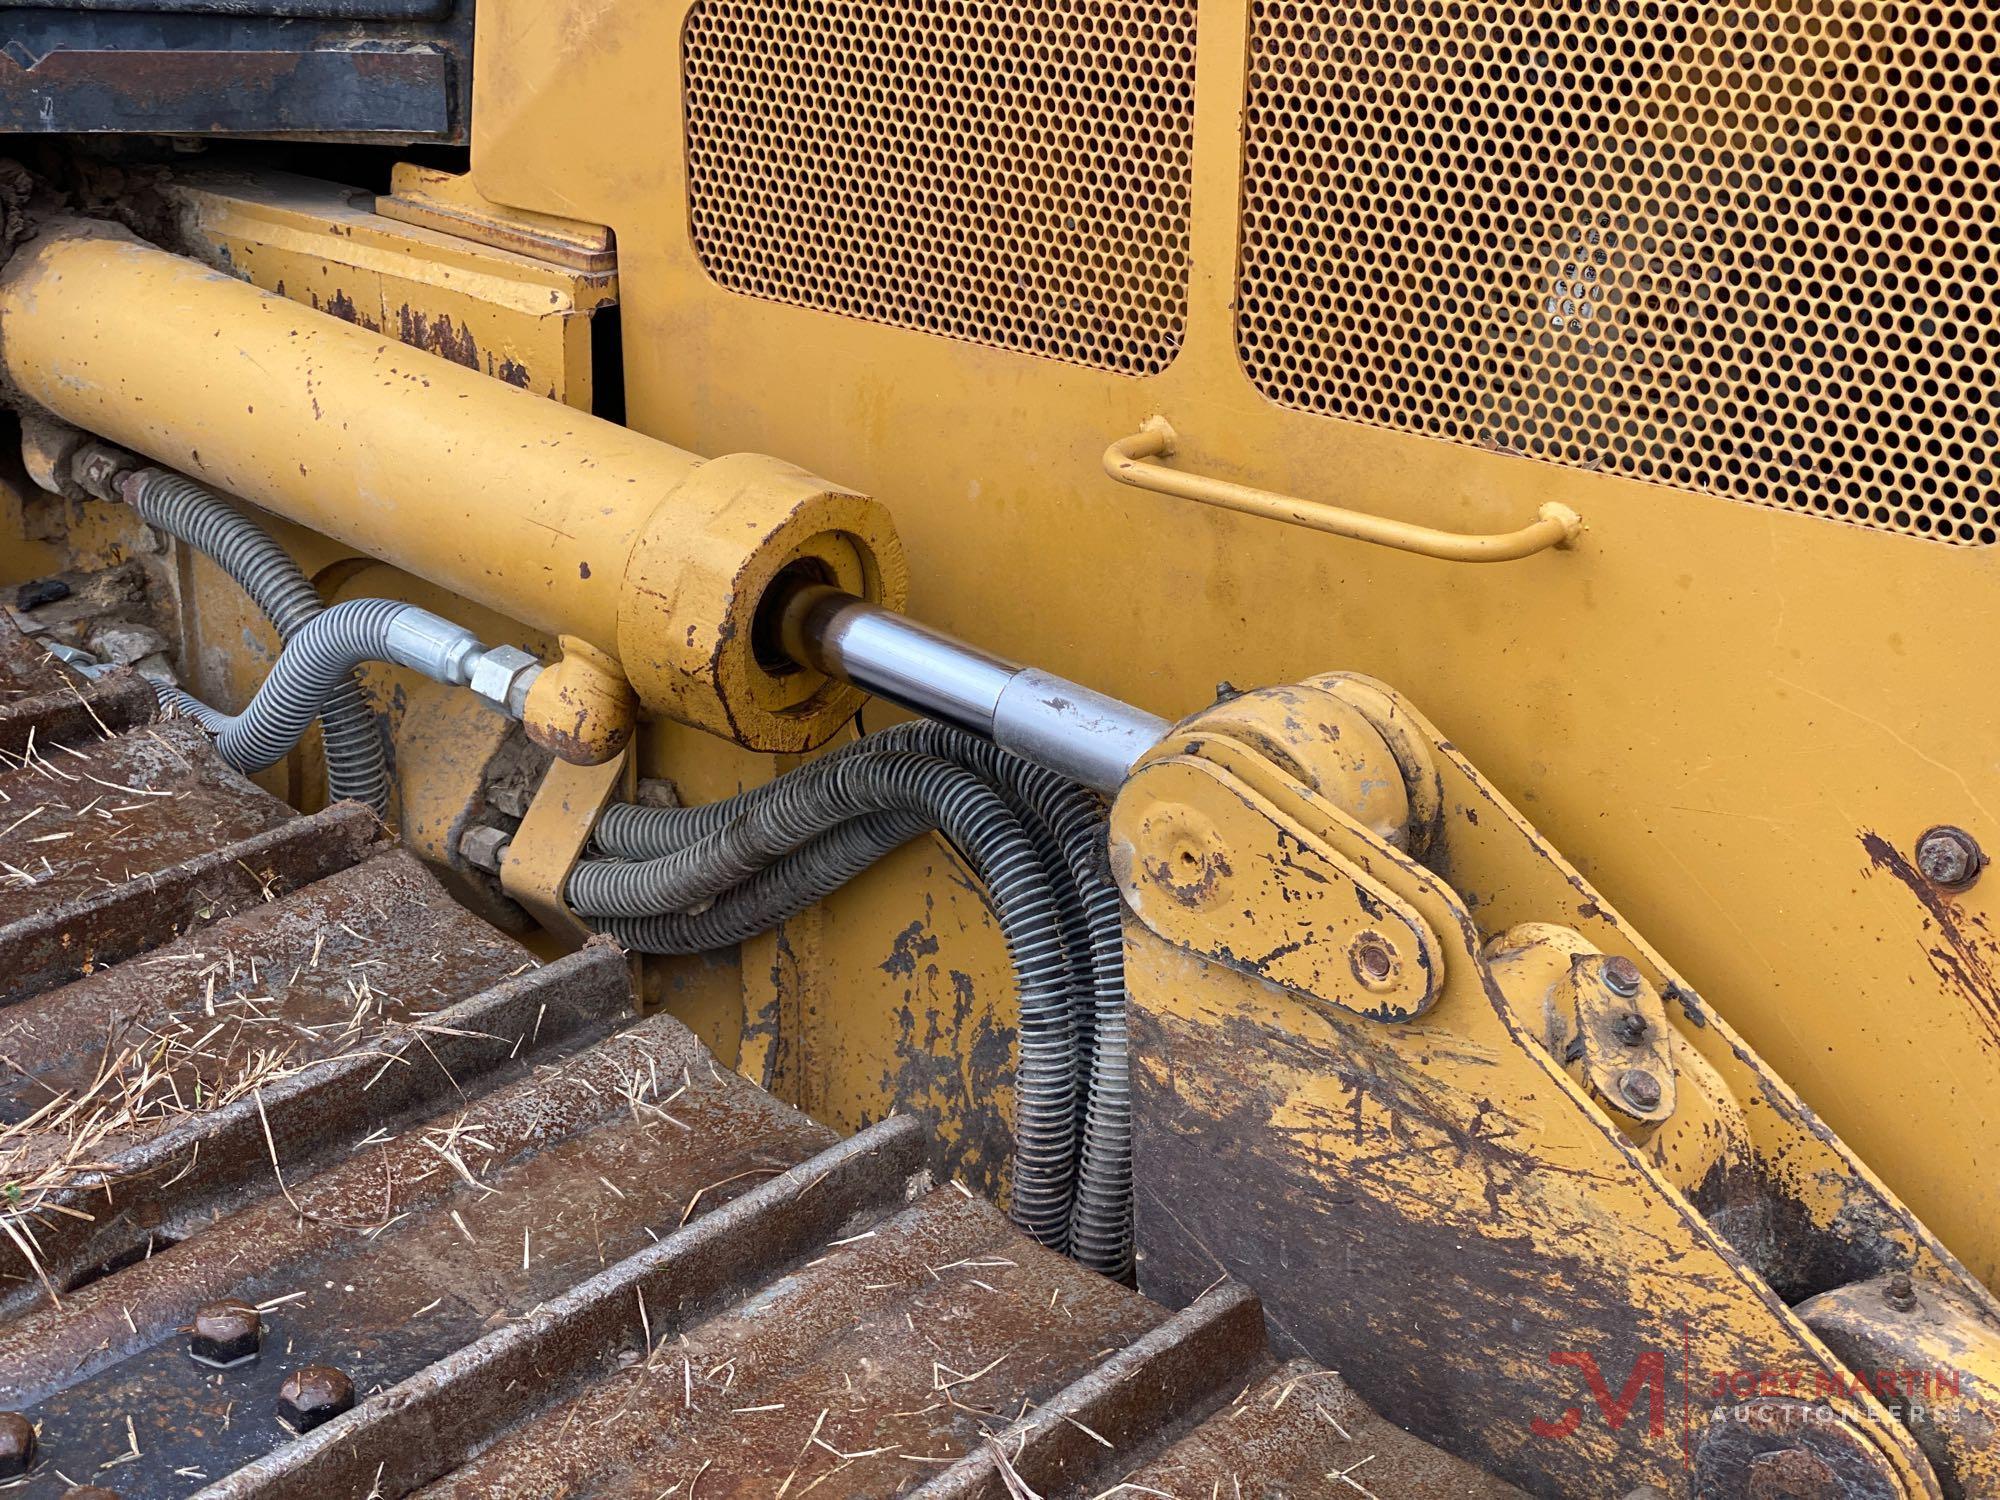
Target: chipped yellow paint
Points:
(495, 310)
(1707, 704)
(1205, 863)
(1489, 1169)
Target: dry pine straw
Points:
(202, 1056)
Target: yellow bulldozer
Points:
(1027, 749)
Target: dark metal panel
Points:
(614, 1320)
(1191, 1362)
(344, 10)
(391, 70)
(146, 835)
(1303, 1432)
(485, 1220)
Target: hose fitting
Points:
(322, 656)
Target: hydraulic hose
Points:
(1101, 1211)
(356, 767)
(1074, 828)
(774, 894)
(318, 659)
(1064, 821)
(797, 810)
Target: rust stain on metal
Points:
(1292, 1434)
(142, 1097)
(914, 1338)
(438, 334)
(1959, 945)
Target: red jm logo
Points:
(1648, 1375)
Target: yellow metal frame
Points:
(1737, 720)
(1508, 1206)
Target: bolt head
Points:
(1900, 1293)
(1631, 1028)
(226, 1334)
(1640, 1089)
(1622, 977)
(17, 1444)
(1373, 959)
(313, 1396)
(1949, 857)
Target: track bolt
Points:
(1640, 1089)
(1631, 1028)
(226, 1334)
(1621, 977)
(314, 1396)
(1900, 1293)
(17, 1444)
(1950, 857)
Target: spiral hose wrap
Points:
(356, 767)
(670, 848)
(315, 662)
(775, 894)
(1074, 840)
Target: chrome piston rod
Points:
(1050, 720)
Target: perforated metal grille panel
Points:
(1012, 174)
(1748, 249)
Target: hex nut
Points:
(17, 1444)
(1901, 1292)
(1949, 857)
(484, 847)
(501, 678)
(313, 1396)
(1622, 977)
(226, 1334)
(1640, 1089)
(1631, 1028)
(96, 468)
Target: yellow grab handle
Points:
(1130, 461)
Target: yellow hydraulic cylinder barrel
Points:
(568, 523)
